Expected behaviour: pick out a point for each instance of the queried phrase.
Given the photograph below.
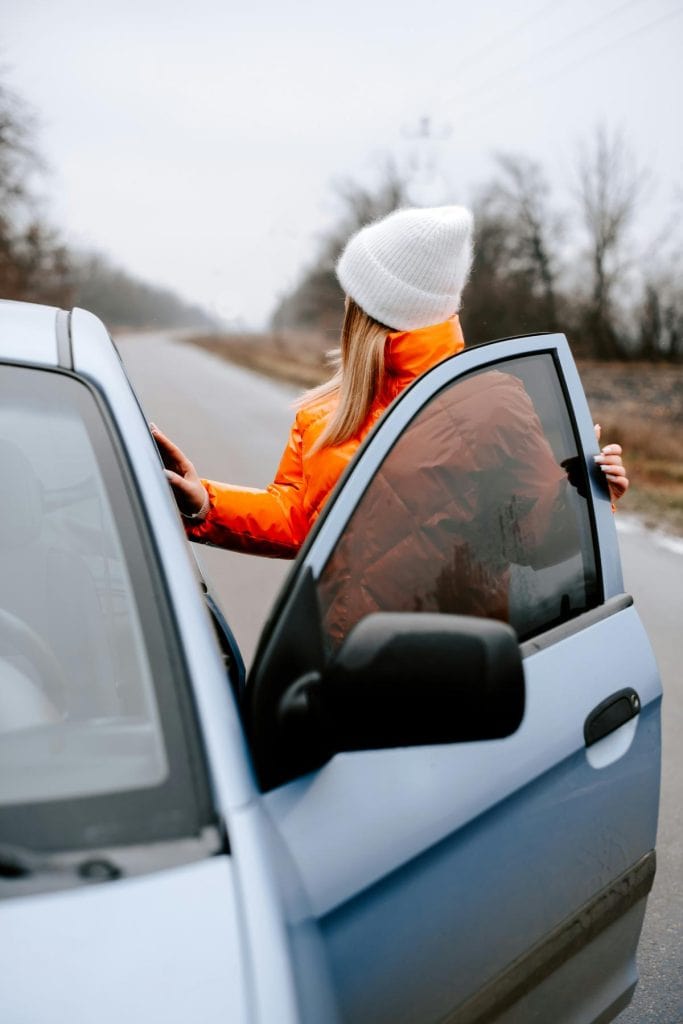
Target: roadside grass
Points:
(296, 358)
(654, 461)
(639, 405)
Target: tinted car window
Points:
(478, 509)
(89, 706)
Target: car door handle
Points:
(612, 713)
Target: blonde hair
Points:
(358, 379)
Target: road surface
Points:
(234, 425)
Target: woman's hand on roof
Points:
(188, 490)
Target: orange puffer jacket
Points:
(275, 521)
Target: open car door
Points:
(477, 879)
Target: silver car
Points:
(434, 798)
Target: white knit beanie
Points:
(408, 270)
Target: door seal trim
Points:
(558, 946)
(63, 332)
(611, 606)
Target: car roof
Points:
(51, 338)
(28, 333)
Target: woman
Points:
(403, 277)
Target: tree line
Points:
(537, 266)
(37, 266)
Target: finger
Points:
(617, 475)
(186, 497)
(611, 449)
(158, 434)
(163, 443)
(175, 479)
(618, 490)
(162, 439)
(171, 455)
(598, 430)
(179, 483)
(609, 460)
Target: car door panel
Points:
(426, 894)
(432, 870)
(448, 786)
(607, 959)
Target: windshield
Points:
(94, 723)
(77, 707)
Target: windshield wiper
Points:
(21, 862)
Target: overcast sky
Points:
(197, 144)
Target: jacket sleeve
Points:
(269, 522)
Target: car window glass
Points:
(78, 713)
(478, 509)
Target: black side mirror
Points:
(406, 679)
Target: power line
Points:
(471, 58)
(615, 42)
(552, 75)
(550, 48)
(475, 57)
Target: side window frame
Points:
(349, 490)
(485, 549)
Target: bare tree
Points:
(18, 157)
(534, 228)
(361, 204)
(513, 287)
(36, 266)
(490, 303)
(34, 263)
(660, 317)
(316, 301)
(609, 186)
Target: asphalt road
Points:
(653, 573)
(234, 424)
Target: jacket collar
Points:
(411, 353)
